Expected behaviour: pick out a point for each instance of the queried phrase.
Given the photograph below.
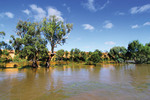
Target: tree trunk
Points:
(34, 64)
(48, 60)
(50, 57)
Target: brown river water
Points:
(76, 82)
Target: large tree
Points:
(138, 52)
(134, 50)
(30, 44)
(55, 32)
(118, 53)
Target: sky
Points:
(97, 24)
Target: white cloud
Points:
(120, 13)
(110, 43)
(146, 23)
(52, 11)
(9, 14)
(135, 26)
(105, 4)
(108, 25)
(26, 11)
(88, 27)
(91, 5)
(141, 9)
(39, 12)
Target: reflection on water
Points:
(103, 82)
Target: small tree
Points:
(89, 54)
(60, 54)
(71, 54)
(93, 59)
(4, 47)
(76, 54)
(55, 32)
(83, 56)
(99, 52)
(1, 42)
(66, 54)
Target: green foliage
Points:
(90, 58)
(71, 54)
(75, 55)
(60, 54)
(138, 52)
(118, 54)
(2, 33)
(83, 56)
(93, 59)
(66, 54)
(55, 31)
(5, 56)
(30, 45)
(5, 52)
(4, 47)
(89, 54)
(16, 58)
(99, 52)
(134, 48)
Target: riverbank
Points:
(25, 64)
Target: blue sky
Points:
(98, 24)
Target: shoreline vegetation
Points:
(31, 43)
(28, 64)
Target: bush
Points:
(18, 59)
(93, 59)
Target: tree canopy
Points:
(60, 54)
(118, 53)
(30, 45)
(55, 31)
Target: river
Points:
(77, 82)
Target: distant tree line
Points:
(135, 51)
(76, 55)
